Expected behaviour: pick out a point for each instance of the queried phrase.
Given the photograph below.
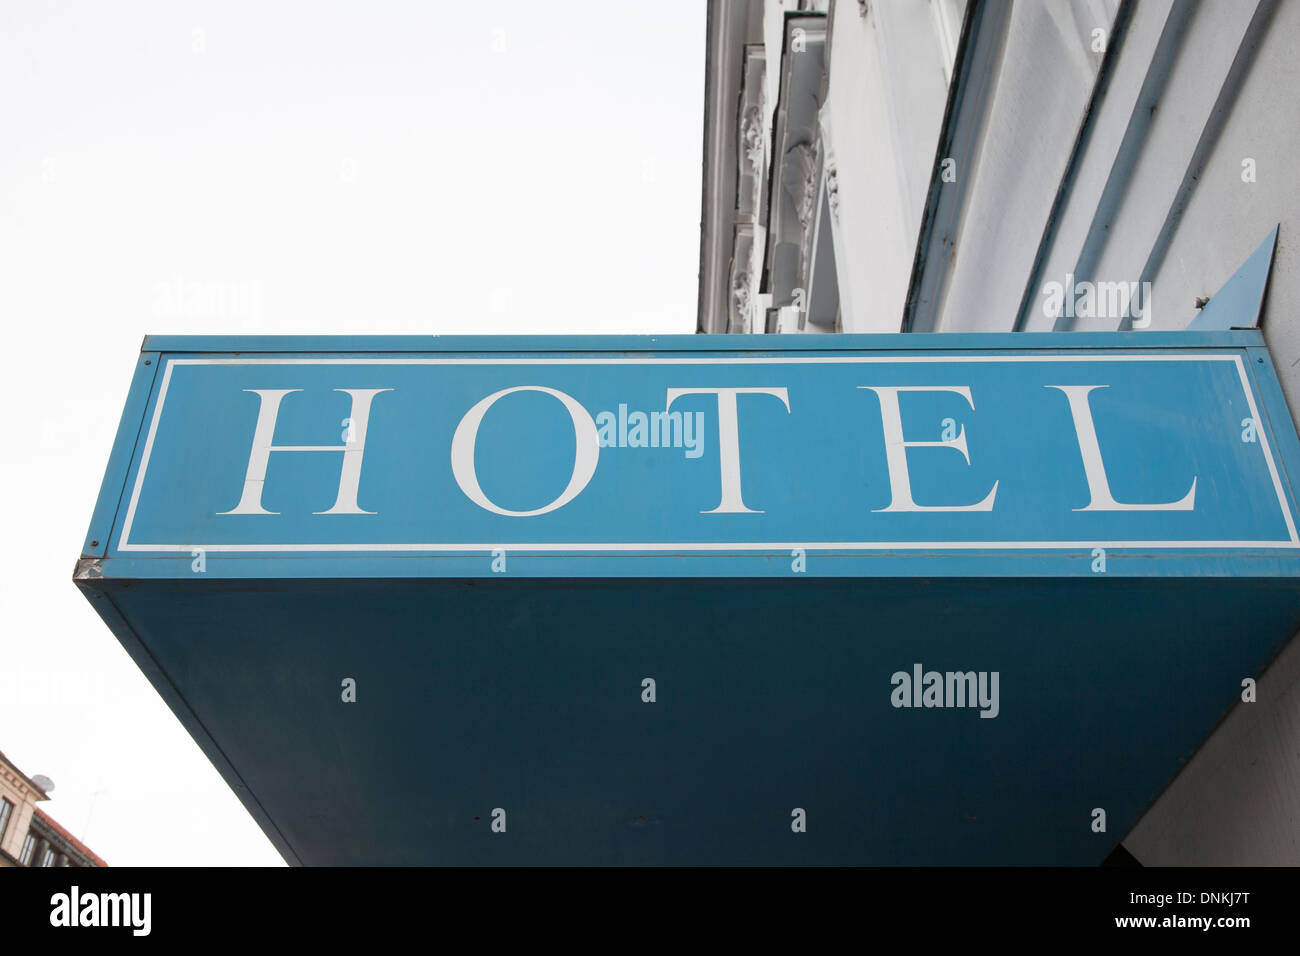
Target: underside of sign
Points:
(877, 599)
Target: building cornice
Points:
(19, 780)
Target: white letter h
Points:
(259, 458)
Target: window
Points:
(29, 844)
(48, 858)
(6, 810)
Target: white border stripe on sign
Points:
(124, 544)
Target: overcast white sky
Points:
(322, 167)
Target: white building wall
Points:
(886, 89)
(1207, 52)
(1228, 218)
(1097, 162)
(1032, 111)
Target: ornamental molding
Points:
(752, 138)
(804, 192)
(833, 189)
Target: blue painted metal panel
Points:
(129, 434)
(806, 452)
(1238, 302)
(500, 658)
(532, 344)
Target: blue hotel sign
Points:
(597, 456)
(892, 599)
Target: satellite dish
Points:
(44, 782)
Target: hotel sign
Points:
(699, 600)
(593, 455)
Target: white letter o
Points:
(586, 451)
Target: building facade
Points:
(28, 835)
(993, 166)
